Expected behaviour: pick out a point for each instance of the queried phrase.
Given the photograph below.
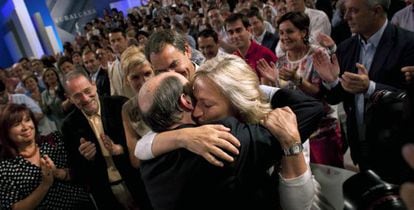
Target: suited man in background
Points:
(98, 75)
(370, 61)
(262, 36)
(97, 151)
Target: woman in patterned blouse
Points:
(34, 174)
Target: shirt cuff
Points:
(371, 89)
(330, 85)
(297, 181)
(143, 148)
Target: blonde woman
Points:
(137, 70)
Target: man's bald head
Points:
(158, 100)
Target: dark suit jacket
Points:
(270, 41)
(93, 174)
(183, 180)
(395, 50)
(102, 83)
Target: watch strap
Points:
(293, 150)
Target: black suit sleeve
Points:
(73, 130)
(308, 110)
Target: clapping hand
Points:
(327, 68)
(87, 149)
(267, 70)
(356, 83)
(325, 40)
(47, 168)
(288, 74)
(114, 149)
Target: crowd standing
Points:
(186, 104)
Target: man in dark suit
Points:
(183, 180)
(96, 73)
(368, 62)
(265, 38)
(97, 150)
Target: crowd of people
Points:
(206, 104)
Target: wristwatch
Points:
(293, 150)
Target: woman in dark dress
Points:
(33, 172)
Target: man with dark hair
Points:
(65, 65)
(238, 29)
(168, 50)
(119, 43)
(208, 44)
(142, 37)
(97, 151)
(25, 62)
(96, 73)
(260, 34)
(216, 21)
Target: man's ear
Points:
(188, 51)
(186, 103)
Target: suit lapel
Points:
(382, 52)
(354, 51)
(103, 115)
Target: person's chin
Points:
(89, 109)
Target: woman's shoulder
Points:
(52, 138)
(8, 166)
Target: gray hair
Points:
(72, 75)
(385, 4)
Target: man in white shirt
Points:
(119, 43)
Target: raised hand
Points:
(356, 83)
(49, 163)
(47, 172)
(87, 149)
(267, 70)
(327, 68)
(287, 74)
(114, 149)
(325, 40)
(212, 142)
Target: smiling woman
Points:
(34, 173)
(296, 70)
